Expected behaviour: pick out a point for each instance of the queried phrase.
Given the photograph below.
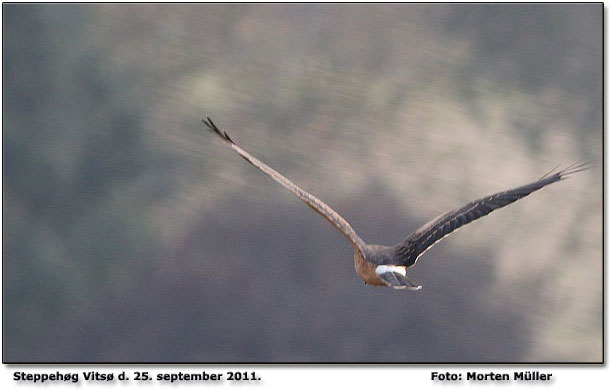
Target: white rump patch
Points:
(399, 269)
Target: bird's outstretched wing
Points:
(407, 252)
(319, 206)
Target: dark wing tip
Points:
(566, 172)
(572, 169)
(212, 127)
(549, 172)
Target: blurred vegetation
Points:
(129, 234)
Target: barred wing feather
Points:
(414, 246)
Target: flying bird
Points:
(381, 265)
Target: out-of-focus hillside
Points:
(131, 234)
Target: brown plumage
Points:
(387, 265)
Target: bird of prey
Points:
(381, 265)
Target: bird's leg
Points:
(411, 285)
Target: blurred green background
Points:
(131, 234)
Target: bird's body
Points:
(366, 269)
(381, 265)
